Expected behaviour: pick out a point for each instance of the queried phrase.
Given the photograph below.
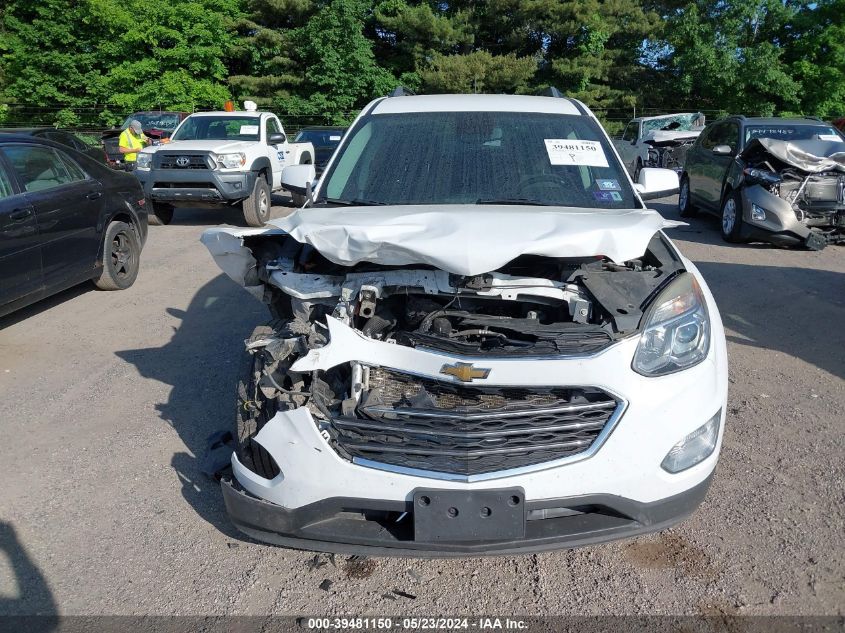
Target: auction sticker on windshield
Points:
(248, 129)
(564, 151)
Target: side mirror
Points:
(276, 138)
(722, 150)
(656, 183)
(634, 142)
(298, 178)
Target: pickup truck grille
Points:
(437, 426)
(182, 161)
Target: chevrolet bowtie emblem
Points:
(465, 372)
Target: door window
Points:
(725, 134)
(707, 136)
(630, 133)
(41, 168)
(272, 127)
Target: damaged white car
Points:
(482, 341)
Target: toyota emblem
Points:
(183, 161)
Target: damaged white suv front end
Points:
(482, 344)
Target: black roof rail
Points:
(400, 91)
(551, 91)
(813, 118)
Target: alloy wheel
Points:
(729, 216)
(122, 256)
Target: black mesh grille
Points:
(178, 161)
(443, 427)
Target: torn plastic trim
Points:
(347, 345)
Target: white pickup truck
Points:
(217, 159)
(658, 141)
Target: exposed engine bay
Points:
(669, 153)
(809, 176)
(532, 306)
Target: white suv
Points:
(482, 341)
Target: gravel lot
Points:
(108, 399)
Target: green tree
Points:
(814, 49)
(85, 55)
(264, 65)
(478, 71)
(727, 56)
(340, 70)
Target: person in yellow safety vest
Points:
(131, 140)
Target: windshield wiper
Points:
(525, 201)
(353, 203)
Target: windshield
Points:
(154, 120)
(218, 128)
(478, 158)
(320, 138)
(792, 132)
(675, 123)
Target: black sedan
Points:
(325, 140)
(63, 137)
(64, 219)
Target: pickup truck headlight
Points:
(231, 161)
(676, 334)
(143, 161)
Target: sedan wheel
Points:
(121, 257)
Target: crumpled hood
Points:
(461, 239)
(812, 156)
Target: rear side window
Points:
(5, 183)
(73, 169)
(40, 168)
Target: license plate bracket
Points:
(469, 515)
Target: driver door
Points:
(276, 153)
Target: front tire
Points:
(121, 257)
(731, 225)
(256, 207)
(162, 214)
(685, 206)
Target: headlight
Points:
(231, 161)
(694, 448)
(143, 161)
(757, 213)
(676, 334)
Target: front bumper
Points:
(380, 527)
(188, 186)
(781, 226)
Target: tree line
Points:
(83, 62)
